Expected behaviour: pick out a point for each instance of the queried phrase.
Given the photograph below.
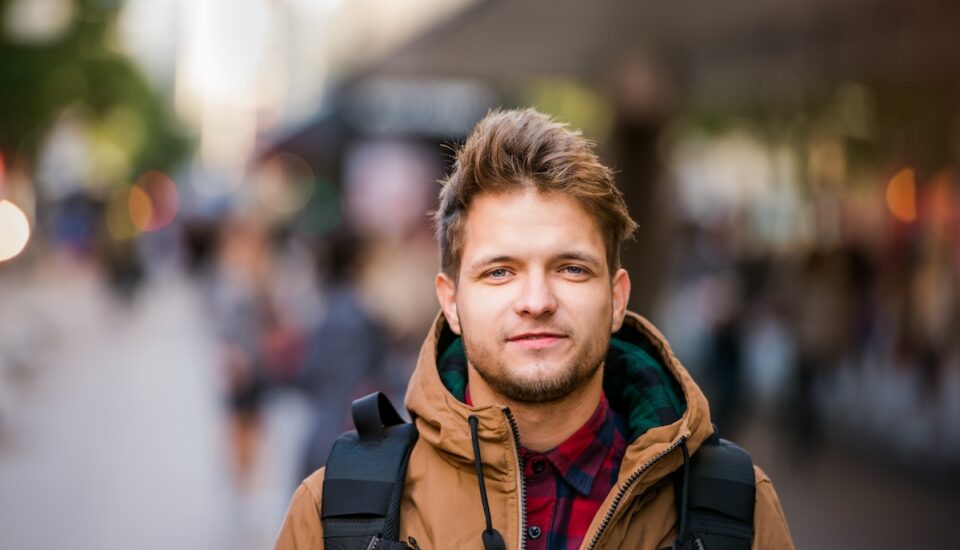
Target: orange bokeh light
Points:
(154, 201)
(902, 195)
(141, 208)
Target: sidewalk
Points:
(117, 441)
(834, 499)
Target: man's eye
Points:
(575, 270)
(499, 273)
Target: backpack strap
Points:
(720, 498)
(364, 479)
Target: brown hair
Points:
(520, 150)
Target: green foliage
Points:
(82, 69)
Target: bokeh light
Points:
(14, 230)
(902, 195)
(140, 208)
(153, 202)
(37, 22)
(285, 183)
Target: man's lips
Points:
(536, 340)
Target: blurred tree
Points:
(80, 66)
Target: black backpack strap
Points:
(720, 498)
(364, 479)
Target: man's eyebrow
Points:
(490, 260)
(579, 256)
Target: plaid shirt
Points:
(565, 486)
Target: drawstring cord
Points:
(492, 540)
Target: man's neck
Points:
(543, 426)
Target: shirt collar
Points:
(579, 458)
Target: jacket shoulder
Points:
(302, 529)
(314, 484)
(770, 530)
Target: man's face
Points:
(534, 300)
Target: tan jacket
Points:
(441, 505)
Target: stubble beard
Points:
(564, 381)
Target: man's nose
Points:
(536, 297)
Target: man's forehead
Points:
(524, 224)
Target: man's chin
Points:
(537, 392)
(537, 383)
(534, 373)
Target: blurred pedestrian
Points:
(238, 306)
(344, 351)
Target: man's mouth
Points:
(536, 340)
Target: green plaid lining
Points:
(641, 388)
(636, 384)
(453, 369)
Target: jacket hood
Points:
(643, 381)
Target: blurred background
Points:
(213, 236)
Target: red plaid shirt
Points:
(565, 486)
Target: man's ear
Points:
(447, 295)
(621, 295)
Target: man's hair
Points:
(520, 150)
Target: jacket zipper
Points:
(523, 487)
(626, 486)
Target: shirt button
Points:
(534, 532)
(538, 466)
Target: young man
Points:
(579, 410)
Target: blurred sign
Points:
(429, 108)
